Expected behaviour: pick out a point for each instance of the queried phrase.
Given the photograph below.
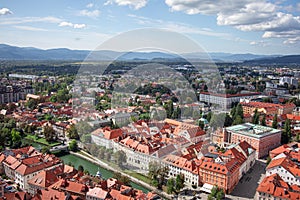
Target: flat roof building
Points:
(261, 138)
(225, 101)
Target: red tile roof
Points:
(46, 178)
(293, 117)
(70, 186)
(275, 186)
(97, 193)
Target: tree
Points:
(53, 98)
(16, 138)
(73, 146)
(93, 148)
(125, 180)
(170, 185)
(275, 122)
(196, 114)
(220, 195)
(49, 133)
(72, 132)
(297, 137)
(101, 152)
(216, 193)
(239, 111)
(238, 120)
(177, 112)
(228, 120)
(120, 177)
(45, 150)
(208, 117)
(31, 104)
(233, 111)
(80, 168)
(287, 130)
(217, 120)
(263, 121)
(120, 158)
(169, 108)
(157, 174)
(179, 182)
(201, 124)
(108, 155)
(255, 119)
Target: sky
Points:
(233, 26)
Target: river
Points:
(93, 168)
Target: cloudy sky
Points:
(235, 26)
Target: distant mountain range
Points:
(8, 52)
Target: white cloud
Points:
(135, 4)
(178, 27)
(260, 43)
(29, 28)
(206, 7)
(245, 15)
(5, 11)
(23, 20)
(290, 37)
(69, 24)
(79, 26)
(93, 13)
(66, 24)
(90, 5)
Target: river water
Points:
(93, 168)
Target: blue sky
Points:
(235, 26)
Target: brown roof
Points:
(45, 178)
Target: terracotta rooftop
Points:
(276, 187)
(70, 186)
(97, 193)
(46, 178)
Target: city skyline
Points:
(260, 27)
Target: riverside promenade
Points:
(96, 161)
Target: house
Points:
(181, 166)
(216, 171)
(96, 193)
(45, 179)
(71, 187)
(274, 187)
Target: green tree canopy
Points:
(73, 146)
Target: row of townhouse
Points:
(144, 144)
(249, 107)
(215, 168)
(25, 163)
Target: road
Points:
(246, 188)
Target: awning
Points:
(206, 188)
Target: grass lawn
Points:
(41, 141)
(138, 176)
